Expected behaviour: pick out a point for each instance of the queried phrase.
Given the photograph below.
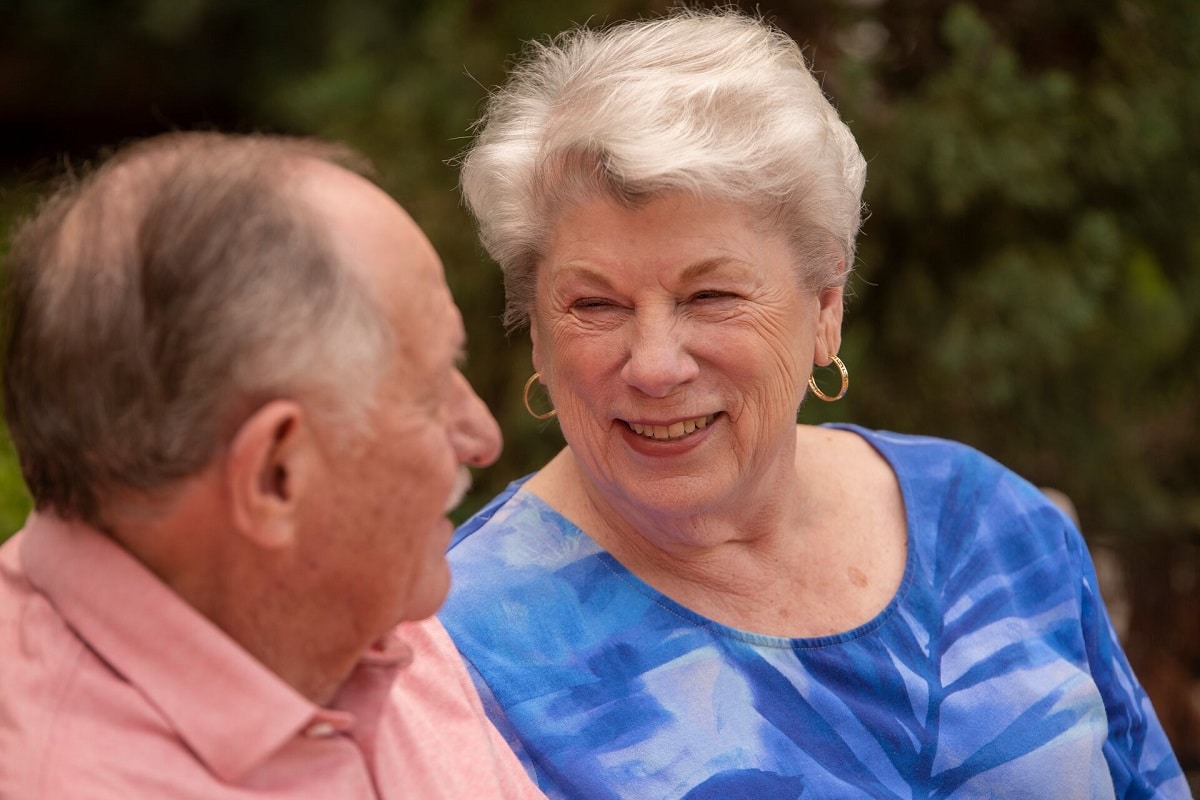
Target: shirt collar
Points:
(229, 709)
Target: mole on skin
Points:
(857, 577)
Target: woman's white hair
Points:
(713, 103)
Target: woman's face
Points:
(676, 341)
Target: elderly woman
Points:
(698, 597)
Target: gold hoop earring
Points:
(812, 384)
(525, 397)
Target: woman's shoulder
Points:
(932, 464)
(528, 590)
(910, 450)
(514, 524)
(484, 515)
(513, 544)
(953, 487)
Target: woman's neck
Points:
(793, 558)
(715, 561)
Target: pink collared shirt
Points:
(112, 687)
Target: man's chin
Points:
(430, 599)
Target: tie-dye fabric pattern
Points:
(994, 671)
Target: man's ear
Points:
(268, 465)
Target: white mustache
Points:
(462, 484)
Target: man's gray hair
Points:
(713, 103)
(154, 305)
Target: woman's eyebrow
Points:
(701, 268)
(689, 273)
(588, 274)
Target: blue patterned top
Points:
(993, 672)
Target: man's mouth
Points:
(676, 430)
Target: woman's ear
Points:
(831, 305)
(267, 468)
(534, 339)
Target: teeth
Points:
(676, 430)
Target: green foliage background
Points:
(1028, 276)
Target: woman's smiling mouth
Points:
(676, 430)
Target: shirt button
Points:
(319, 730)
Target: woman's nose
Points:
(474, 432)
(658, 359)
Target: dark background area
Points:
(1028, 279)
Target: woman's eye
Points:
(591, 302)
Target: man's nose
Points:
(474, 432)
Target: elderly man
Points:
(231, 377)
